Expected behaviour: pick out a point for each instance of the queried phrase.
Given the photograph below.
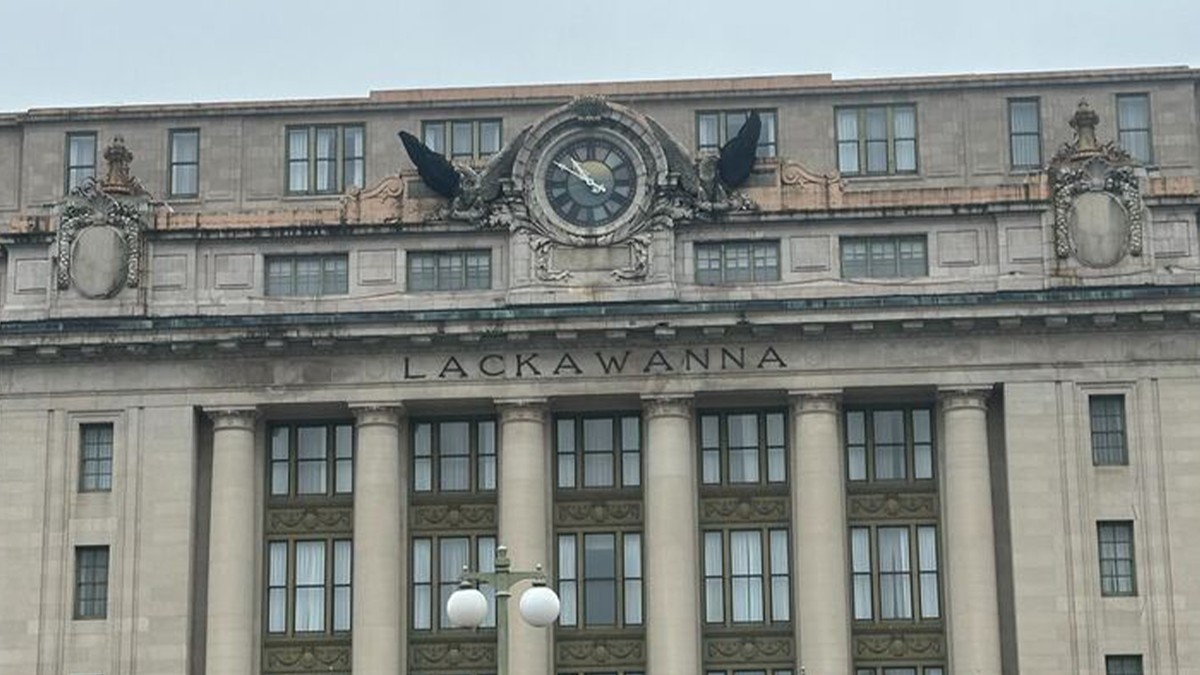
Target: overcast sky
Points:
(77, 52)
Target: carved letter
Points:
(483, 365)
(727, 357)
(524, 360)
(452, 365)
(409, 374)
(610, 363)
(657, 360)
(700, 358)
(568, 363)
(770, 356)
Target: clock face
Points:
(590, 182)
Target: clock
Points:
(590, 181)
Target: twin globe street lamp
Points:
(467, 606)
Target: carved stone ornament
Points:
(748, 650)
(290, 658)
(458, 655)
(744, 509)
(1098, 210)
(583, 514)
(899, 646)
(605, 652)
(382, 203)
(98, 246)
(891, 506)
(452, 517)
(310, 519)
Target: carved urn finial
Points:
(1084, 123)
(118, 180)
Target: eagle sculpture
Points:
(739, 153)
(435, 170)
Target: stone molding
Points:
(815, 401)
(522, 410)
(899, 645)
(737, 650)
(668, 405)
(606, 652)
(967, 396)
(610, 513)
(426, 517)
(744, 509)
(372, 414)
(309, 519)
(306, 657)
(224, 419)
(900, 505)
(452, 655)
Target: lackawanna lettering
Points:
(599, 363)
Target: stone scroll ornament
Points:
(100, 235)
(1098, 211)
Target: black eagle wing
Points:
(435, 170)
(737, 155)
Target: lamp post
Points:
(467, 606)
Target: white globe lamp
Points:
(467, 607)
(539, 606)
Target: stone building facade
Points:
(920, 395)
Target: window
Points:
(91, 582)
(1118, 575)
(437, 565)
(889, 444)
(449, 270)
(1025, 133)
(184, 167)
(454, 456)
(325, 159)
(598, 452)
(1107, 415)
(743, 448)
(903, 670)
(884, 257)
(715, 128)
(1123, 665)
(309, 586)
(743, 671)
(600, 579)
(81, 158)
(307, 275)
(729, 262)
(877, 139)
(465, 139)
(312, 459)
(882, 564)
(95, 457)
(1133, 126)
(741, 584)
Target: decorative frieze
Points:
(290, 658)
(748, 650)
(611, 513)
(600, 652)
(901, 646)
(893, 506)
(310, 519)
(452, 516)
(457, 655)
(744, 509)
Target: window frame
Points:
(723, 136)
(1103, 454)
(862, 141)
(1106, 591)
(476, 540)
(91, 608)
(916, 573)
(767, 574)
(335, 464)
(291, 586)
(618, 453)
(1013, 135)
(723, 248)
(448, 135)
(68, 167)
(1123, 664)
(172, 164)
(437, 256)
(1148, 129)
(723, 449)
(910, 444)
(622, 579)
(312, 160)
(84, 485)
(475, 455)
(896, 240)
(292, 260)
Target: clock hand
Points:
(580, 175)
(587, 178)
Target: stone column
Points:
(672, 550)
(380, 536)
(525, 523)
(821, 571)
(232, 544)
(970, 547)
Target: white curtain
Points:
(487, 563)
(598, 452)
(780, 584)
(714, 589)
(454, 444)
(567, 579)
(895, 580)
(422, 577)
(927, 558)
(312, 460)
(745, 562)
(860, 553)
(277, 581)
(453, 554)
(310, 586)
(633, 579)
(342, 565)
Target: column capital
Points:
(379, 413)
(232, 417)
(667, 405)
(970, 396)
(815, 400)
(521, 409)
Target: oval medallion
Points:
(1099, 229)
(98, 258)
